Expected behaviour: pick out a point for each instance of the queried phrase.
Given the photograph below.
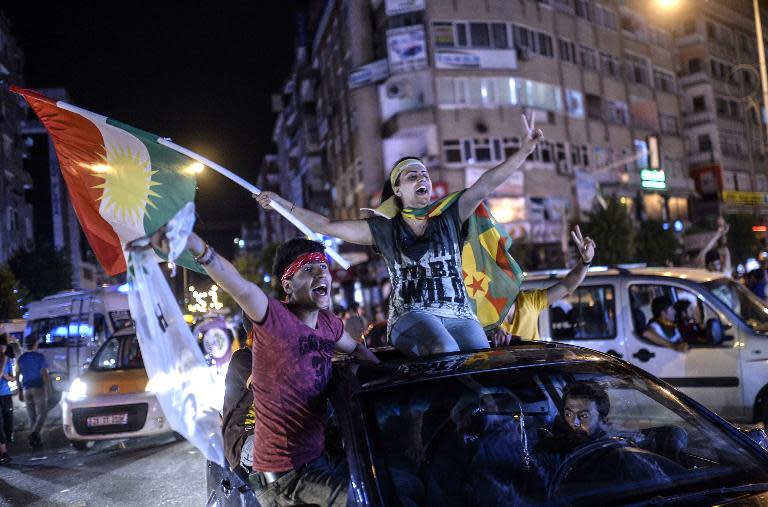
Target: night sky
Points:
(198, 72)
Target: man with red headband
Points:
(293, 342)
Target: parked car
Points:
(725, 368)
(483, 415)
(110, 399)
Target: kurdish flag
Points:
(491, 275)
(122, 183)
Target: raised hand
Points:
(265, 200)
(585, 246)
(532, 134)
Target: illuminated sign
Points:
(653, 179)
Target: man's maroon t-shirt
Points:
(291, 369)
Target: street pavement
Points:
(143, 471)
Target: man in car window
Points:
(522, 320)
(584, 419)
(293, 342)
(662, 329)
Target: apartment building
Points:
(16, 231)
(721, 93)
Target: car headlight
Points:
(77, 390)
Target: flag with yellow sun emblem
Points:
(122, 183)
(491, 275)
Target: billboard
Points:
(407, 48)
(368, 74)
(395, 7)
(476, 59)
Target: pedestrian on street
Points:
(6, 401)
(421, 242)
(35, 384)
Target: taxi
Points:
(110, 400)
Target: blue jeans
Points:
(418, 333)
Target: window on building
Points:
(609, 64)
(445, 90)
(699, 104)
(637, 69)
(694, 65)
(545, 152)
(617, 112)
(742, 182)
(588, 58)
(482, 149)
(689, 26)
(523, 37)
(452, 151)
(561, 154)
(580, 155)
(705, 143)
(604, 16)
(461, 35)
(511, 146)
(582, 9)
(567, 50)
(734, 110)
(678, 208)
(443, 35)
(488, 91)
(545, 45)
(500, 37)
(668, 123)
(602, 156)
(480, 36)
(664, 81)
(711, 30)
(761, 182)
(721, 106)
(594, 107)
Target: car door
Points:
(707, 372)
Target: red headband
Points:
(301, 261)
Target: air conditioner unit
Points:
(398, 89)
(523, 53)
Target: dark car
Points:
(472, 429)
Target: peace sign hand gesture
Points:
(585, 246)
(532, 134)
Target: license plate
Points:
(107, 420)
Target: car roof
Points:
(693, 274)
(522, 355)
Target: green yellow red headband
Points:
(402, 166)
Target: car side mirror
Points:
(715, 332)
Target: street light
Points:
(761, 60)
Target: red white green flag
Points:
(122, 183)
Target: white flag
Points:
(180, 378)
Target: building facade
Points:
(16, 226)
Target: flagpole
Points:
(254, 190)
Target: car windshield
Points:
(118, 353)
(742, 301)
(473, 439)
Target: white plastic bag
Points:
(184, 385)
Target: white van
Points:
(71, 326)
(727, 372)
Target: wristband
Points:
(202, 254)
(211, 254)
(583, 262)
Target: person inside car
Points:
(522, 320)
(293, 342)
(584, 419)
(687, 324)
(661, 329)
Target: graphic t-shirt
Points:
(525, 322)
(425, 271)
(30, 364)
(291, 369)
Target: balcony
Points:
(692, 119)
(701, 158)
(408, 119)
(686, 80)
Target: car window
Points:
(589, 313)
(132, 359)
(108, 356)
(474, 438)
(692, 325)
(751, 309)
